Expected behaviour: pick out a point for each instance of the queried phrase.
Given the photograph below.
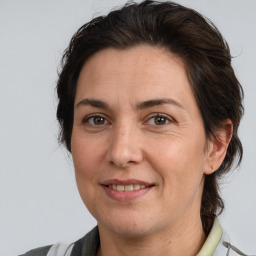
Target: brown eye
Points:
(160, 120)
(98, 120)
(95, 120)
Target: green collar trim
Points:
(212, 240)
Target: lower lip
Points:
(126, 195)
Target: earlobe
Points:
(218, 145)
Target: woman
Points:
(149, 107)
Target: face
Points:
(138, 141)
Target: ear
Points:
(217, 147)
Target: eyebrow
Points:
(93, 103)
(156, 102)
(142, 105)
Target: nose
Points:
(124, 148)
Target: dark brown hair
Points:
(190, 36)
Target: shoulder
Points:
(226, 248)
(59, 249)
(42, 251)
(233, 251)
(86, 246)
(218, 243)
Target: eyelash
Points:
(167, 119)
(87, 119)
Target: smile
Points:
(126, 190)
(130, 187)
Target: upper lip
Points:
(125, 182)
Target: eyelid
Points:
(87, 117)
(160, 114)
(157, 114)
(152, 115)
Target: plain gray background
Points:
(39, 202)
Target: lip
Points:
(126, 195)
(125, 182)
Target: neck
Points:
(184, 238)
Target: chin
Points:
(129, 226)
(129, 230)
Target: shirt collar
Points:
(213, 245)
(88, 245)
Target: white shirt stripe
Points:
(60, 250)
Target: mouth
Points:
(130, 187)
(126, 190)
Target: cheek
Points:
(178, 162)
(86, 158)
(180, 166)
(86, 153)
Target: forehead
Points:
(140, 72)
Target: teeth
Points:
(130, 187)
(120, 188)
(136, 186)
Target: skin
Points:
(127, 141)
